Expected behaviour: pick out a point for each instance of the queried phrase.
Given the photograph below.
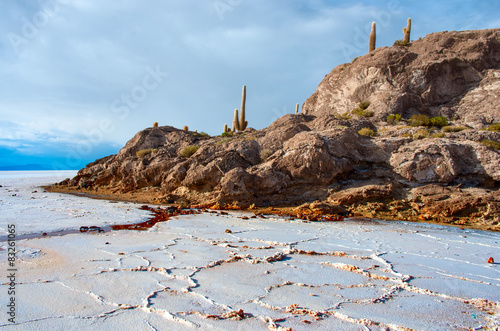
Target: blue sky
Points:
(81, 77)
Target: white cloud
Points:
(62, 84)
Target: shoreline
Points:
(295, 212)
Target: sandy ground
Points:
(222, 272)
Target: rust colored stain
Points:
(158, 215)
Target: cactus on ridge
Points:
(236, 124)
(407, 32)
(243, 124)
(373, 38)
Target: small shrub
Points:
(365, 104)
(419, 120)
(143, 152)
(344, 116)
(407, 135)
(265, 154)
(201, 134)
(491, 144)
(367, 132)
(421, 134)
(400, 42)
(393, 119)
(357, 111)
(361, 112)
(494, 127)
(450, 128)
(439, 121)
(438, 135)
(227, 134)
(190, 150)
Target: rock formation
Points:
(318, 158)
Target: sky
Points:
(82, 77)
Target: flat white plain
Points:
(191, 273)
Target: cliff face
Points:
(453, 74)
(318, 159)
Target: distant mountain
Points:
(24, 167)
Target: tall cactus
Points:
(296, 108)
(407, 32)
(226, 129)
(373, 38)
(243, 124)
(236, 124)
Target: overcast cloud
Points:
(81, 77)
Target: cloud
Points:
(65, 76)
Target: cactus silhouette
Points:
(407, 32)
(373, 38)
(236, 124)
(243, 124)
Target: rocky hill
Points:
(453, 74)
(332, 159)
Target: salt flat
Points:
(272, 273)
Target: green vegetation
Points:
(419, 120)
(399, 42)
(494, 127)
(227, 134)
(407, 135)
(144, 152)
(393, 119)
(361, 110)
(450, 128)
(421, 134)
(365, 104)
(367, 132)
(439, 121)
(491, 144)
(344, 116)
(202, 134)
(265, 154)
(438, 135)
(190, 150)
(424, 120)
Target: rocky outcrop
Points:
(453, 74)
(320, 159)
